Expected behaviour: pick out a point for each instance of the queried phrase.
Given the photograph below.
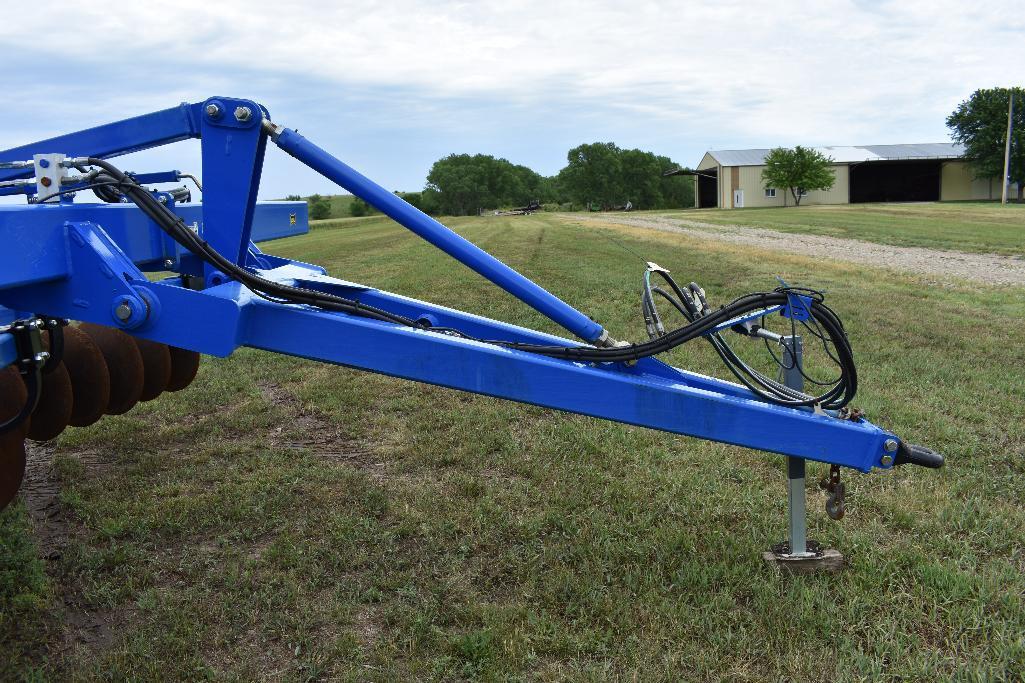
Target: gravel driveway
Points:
(992, 269)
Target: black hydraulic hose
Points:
(33, 384)
(173, 225)
(692, 306)
(33, 373)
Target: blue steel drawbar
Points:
(62, 259)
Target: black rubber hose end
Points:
(911, 454)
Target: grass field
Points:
(340, 204)
(984, 227)
(284, 520)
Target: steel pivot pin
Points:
(123, 312)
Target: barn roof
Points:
(847, 155)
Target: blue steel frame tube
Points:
(437, 234)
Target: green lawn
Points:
(285, 520)
(965, 226)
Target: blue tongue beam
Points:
(437, 234)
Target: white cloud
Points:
(800, 59)
(728, 73)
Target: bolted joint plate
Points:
(229, 112)
(102, 284)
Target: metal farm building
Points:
(874, 173)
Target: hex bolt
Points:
(123, 311)
(243, 114)
(887, 460)
(213, 111)
(890, 445)
(169, 264)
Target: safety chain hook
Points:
(835, 488)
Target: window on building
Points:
(770, 192)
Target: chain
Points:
(836, 490)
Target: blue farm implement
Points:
(138, 336)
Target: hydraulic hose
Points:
(834, 398)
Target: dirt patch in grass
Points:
(938, 264)
(310, 430)
(55, 529)
(40, 491)
(313, 432)
(94, 630)
(367, 624)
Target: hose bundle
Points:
(822, 324)
(701, 319)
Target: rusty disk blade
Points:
(90, 381)
(156, 364)
(124, 366)
(53, 411)
(12, 444)
(184, 366)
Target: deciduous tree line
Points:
(598, 175)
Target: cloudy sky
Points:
(392, 86)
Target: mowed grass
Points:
(286, 520)
(983, 227)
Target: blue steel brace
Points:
(78, 260)
(438, 235)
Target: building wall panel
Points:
(957, 182)
(838, 194)
(754, 190)
(707, 161)
(750, 181)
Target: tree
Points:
(593, 174)
(415, 199)
(460, 184)
(799, 170)
(320, 208)
(980, 124)
(640, 179)
(293, 198)
(359, 208)
(598, 174)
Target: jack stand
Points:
(798, 554)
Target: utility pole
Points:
(1007, 145)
